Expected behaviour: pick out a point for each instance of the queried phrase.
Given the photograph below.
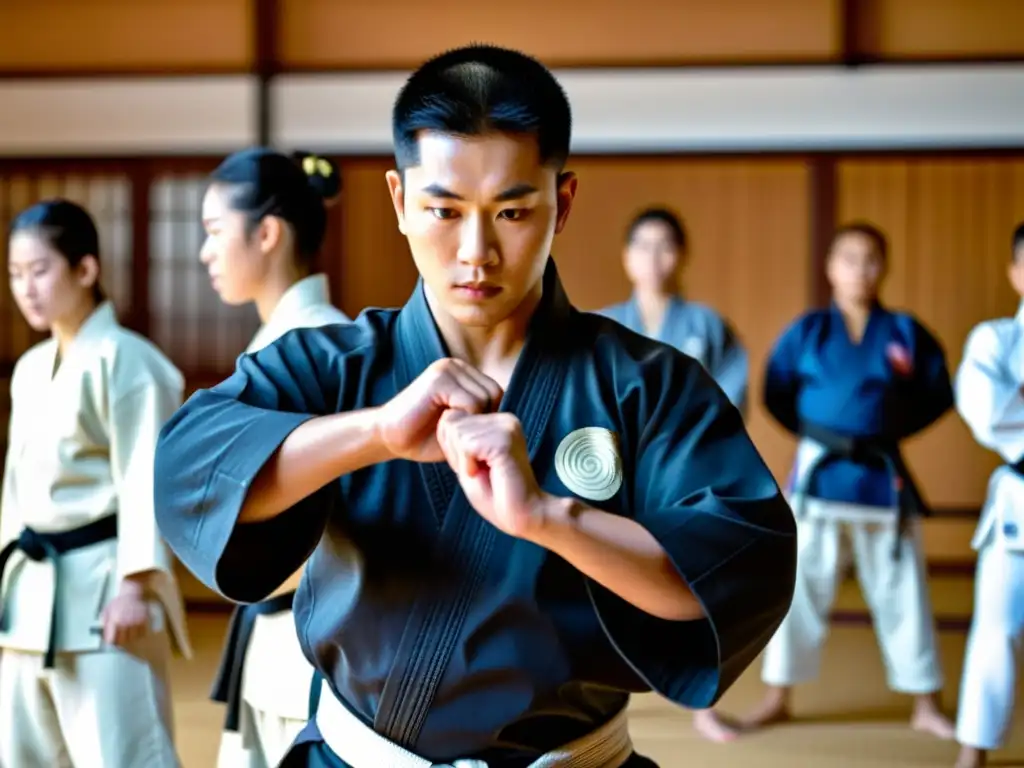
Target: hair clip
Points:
(312, 164)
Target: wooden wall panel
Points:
(949, 222)
(376, 267)
(124, 36)
(941, 29)
(748, 220)
(402, 33)
(748, 225)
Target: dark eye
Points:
(513, 214)
(443, 213)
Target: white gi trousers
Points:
(829, 537)
(989, 684)
(276, 683)
(98, 709)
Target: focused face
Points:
(480, 215)
(1016, 270)
(45, 287)
(236, 263)
(855, 268)
(651, 257)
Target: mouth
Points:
(477, 291)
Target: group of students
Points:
(464, 531)
(852, 382)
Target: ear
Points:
(87, 273)
(1013, 274)
(270, 233)
(397, 191)
(566, 194)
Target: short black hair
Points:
(66, 227)
(480, 89)
(664, 216)
(866, 229)
(1018, 241)
(323, 173)
(268, 183)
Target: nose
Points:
(206, 253)
(477, 244)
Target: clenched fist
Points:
(489, 456)
(408, 422)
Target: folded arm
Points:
(244, 471)
(730, 368)
(620, 555)
(692, 586)
(988, 395)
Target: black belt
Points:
(39, 546)
(227, 687)
(908, 500)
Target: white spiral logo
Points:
(588, 464)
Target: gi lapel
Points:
(435, 624)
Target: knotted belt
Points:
(38, 546)
(360, 746)
(908, 500)
(227, 687)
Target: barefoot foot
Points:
(772, 711)
(715, 727)
(931, 721)
(971, 757)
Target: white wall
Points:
(615, 111)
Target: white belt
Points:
(362, 747)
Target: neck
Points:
(854, 308)
(493, 350)
(65, 329)
(274, 287)
(653, 299)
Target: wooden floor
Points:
(847, 718)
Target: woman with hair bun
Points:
(265, 219)
(89, 602)
(323, 174)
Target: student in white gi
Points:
(89, 601)
(990, 398)
(265, 679)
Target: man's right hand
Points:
(407, 424)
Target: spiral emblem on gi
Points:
(588, 463)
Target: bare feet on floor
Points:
(971, 757)
(715, 727)
(773, 710)
(928, 718)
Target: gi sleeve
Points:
(988, 395)
(701, 489)
(928, 394)
(731, 367)
(210, 452)
(135, 422)
(781, 378)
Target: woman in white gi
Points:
(265, 219)
(989, 398)
(89, 602)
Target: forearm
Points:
(291, 584)
(141, 583)
(620, 555)
(314, 454)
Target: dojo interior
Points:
(771, 122)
